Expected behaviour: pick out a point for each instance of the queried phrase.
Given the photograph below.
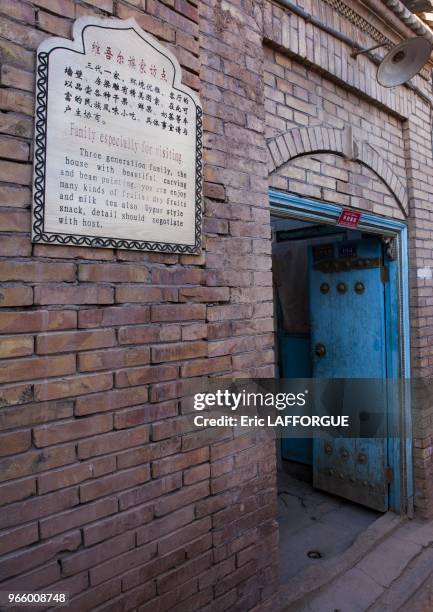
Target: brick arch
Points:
(319, 139)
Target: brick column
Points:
(419, 168)
(238, 256)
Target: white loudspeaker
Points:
(404, 61)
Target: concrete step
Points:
(311, 579)
(382, 579)
(422, 599)
(397, 597)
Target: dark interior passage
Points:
(314, 524)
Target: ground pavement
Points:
(387, 569)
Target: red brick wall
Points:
(105, 490)
(100, 348)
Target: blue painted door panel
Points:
(295, 355)
(295, 362)
(394, 391)
(347, 307)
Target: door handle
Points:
(320, 350)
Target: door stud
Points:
(362, 458)
(344, 454)
(320, 350)
(324, 288)
(359, 288)
(341, 288)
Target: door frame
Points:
(400, 444)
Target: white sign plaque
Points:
(118, 143)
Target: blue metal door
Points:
(295, 362)
(348, 340)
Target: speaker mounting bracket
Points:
(355, 54)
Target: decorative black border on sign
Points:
(38, 231)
